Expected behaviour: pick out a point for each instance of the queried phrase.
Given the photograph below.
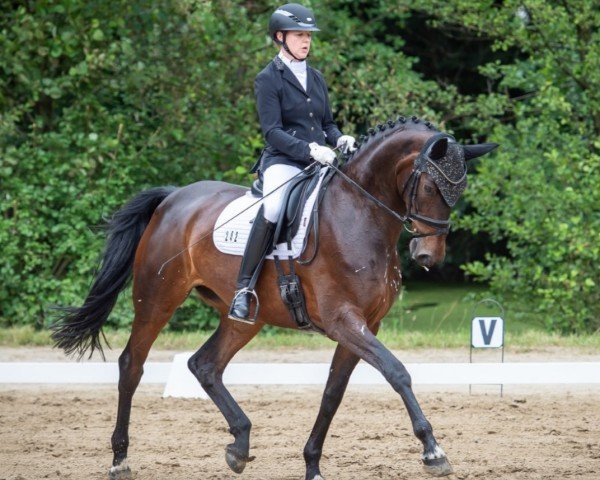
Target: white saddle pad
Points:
(233, 225)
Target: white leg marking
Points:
(437, 453)
(120, 467)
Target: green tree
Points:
(540, 193)
(102, 99)
(99, 100)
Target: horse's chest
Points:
(390, 288)
(377, 286)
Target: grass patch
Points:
(24, 336)
(447, 309)
(522, 340)
(427, 315)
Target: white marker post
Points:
(487, 332)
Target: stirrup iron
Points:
(251, 320)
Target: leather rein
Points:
(442, 227)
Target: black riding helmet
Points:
(291, 16)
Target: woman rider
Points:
(296, 120)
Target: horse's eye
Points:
(429, 189)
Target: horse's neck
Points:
(358, 213)
(377, 167)
(378, 171)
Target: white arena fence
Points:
(179, 382)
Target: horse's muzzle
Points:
(427, 252)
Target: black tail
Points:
(79, 329)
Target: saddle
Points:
(295, 197)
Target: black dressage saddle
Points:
(295, 197)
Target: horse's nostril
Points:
(424, 259)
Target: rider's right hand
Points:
(321, 154)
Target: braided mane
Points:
(383, 130)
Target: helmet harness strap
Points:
(286, 48)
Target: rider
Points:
(296, 120)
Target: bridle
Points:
(442, 227)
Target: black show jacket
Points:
(291, 117)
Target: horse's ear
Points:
(438, 149)
(474, 151)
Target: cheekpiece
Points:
(449, 172)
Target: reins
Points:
(442, 226)
(396, 215)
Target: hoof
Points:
(120, 472)
(235, 459)
(438, 467)
(312, 475)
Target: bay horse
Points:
(349, 286)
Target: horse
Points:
(394, 180)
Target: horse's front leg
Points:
(342, 366)
(350, 330)
(207, 365)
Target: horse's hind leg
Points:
(153, 309)
(350, 330)
(207, 365)
(342, 366)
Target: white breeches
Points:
(273, 177)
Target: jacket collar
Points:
(291, 78)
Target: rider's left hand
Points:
(347, 143)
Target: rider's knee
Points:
(272, 211)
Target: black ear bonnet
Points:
(443, 159)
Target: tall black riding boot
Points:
(259, 244)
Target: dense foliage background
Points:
(99, 100)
